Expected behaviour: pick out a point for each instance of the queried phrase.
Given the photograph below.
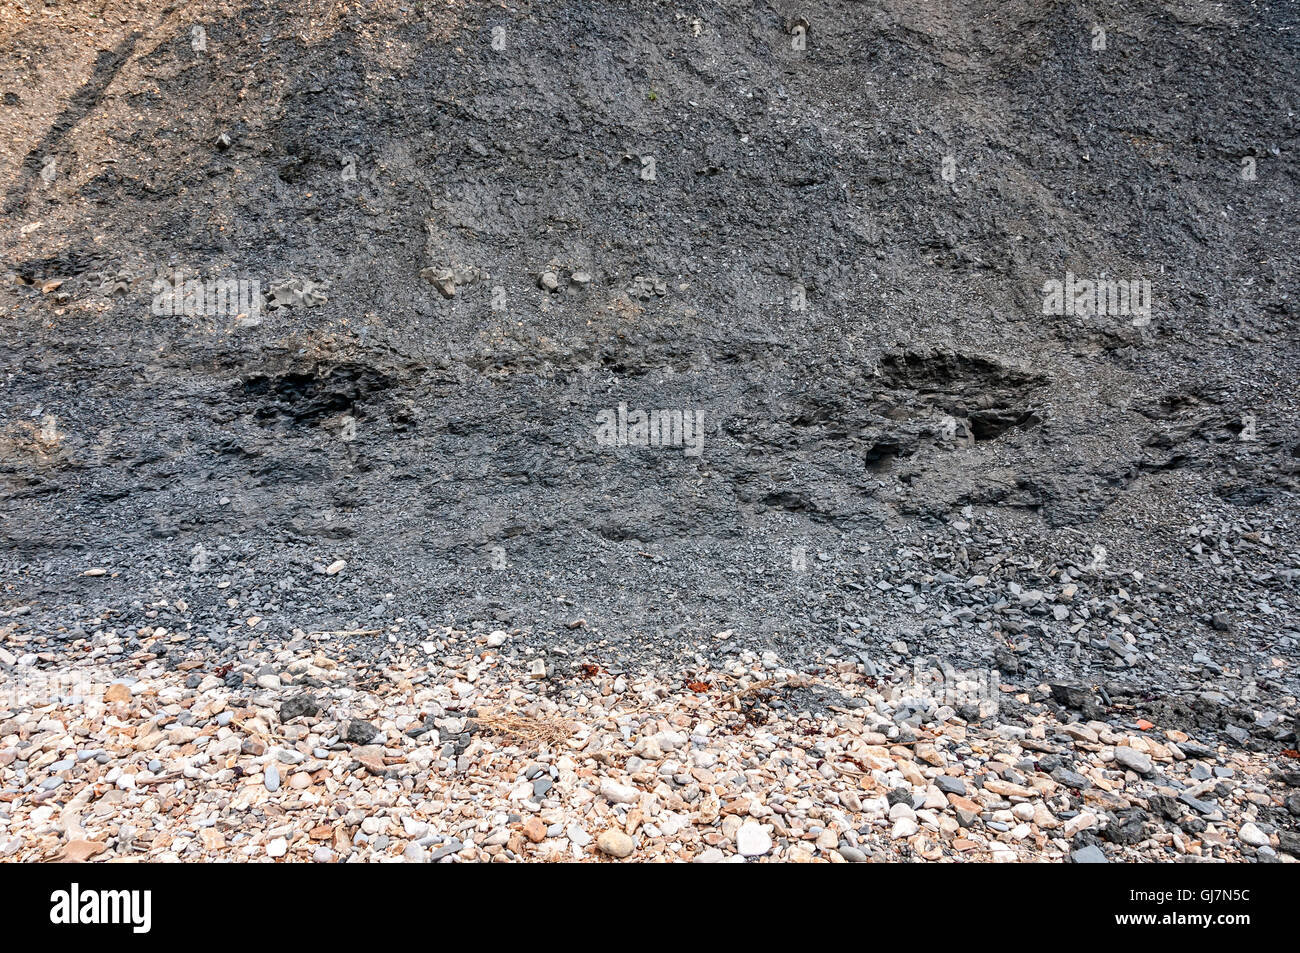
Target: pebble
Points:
(619, 793)
(615, 843)
(446, 850)
(414, 769)
(1252, 835)
(753, 840)
(1134, 760)
(903, 827)
(950, 785)
(359, 732)
(535, 830)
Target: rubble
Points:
(449, 750)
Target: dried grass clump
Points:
(525, 729)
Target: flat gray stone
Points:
(1134, 761)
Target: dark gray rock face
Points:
(838, 265)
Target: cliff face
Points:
(293, 283)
